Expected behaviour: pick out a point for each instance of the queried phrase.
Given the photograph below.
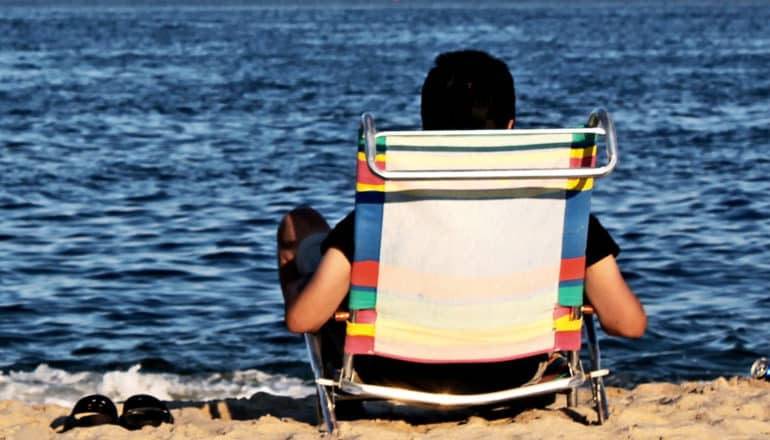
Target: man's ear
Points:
(511, 123)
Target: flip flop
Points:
(142, 410)
(91, 410)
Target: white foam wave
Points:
(54, 386)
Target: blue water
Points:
(147, 153)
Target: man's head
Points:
(468, 90)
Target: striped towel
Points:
(451, 271)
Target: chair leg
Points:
(574, 365)
(324, 401)
(600, 399)
(597, 384)
(572, 398)
(325, 409)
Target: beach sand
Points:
(736, 408)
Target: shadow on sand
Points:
(304, 410)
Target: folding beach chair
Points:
(470, 248)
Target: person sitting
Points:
(464, 90)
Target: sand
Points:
(735, 408)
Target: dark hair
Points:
(467, 90)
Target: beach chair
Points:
(470, 248)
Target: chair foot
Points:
(572, 398)
(325, 413)
(600, 399)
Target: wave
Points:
(46, 385)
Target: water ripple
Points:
(148, 153)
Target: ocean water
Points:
(147, 153)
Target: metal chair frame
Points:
(345, 387)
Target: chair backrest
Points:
(463, 254)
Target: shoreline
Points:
(720, 408)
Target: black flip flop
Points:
(142, 410)
(92, 410)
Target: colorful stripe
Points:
(404, 191)
(364, 175)
(481, 316)
(358, 329)
(571, 293)
(566, 324)
(478, 142)
(359, 344)
(463, 334)
(448, 159)
(567, 331)
(432, 287)
(431, 302)
(368, 221)
(380, 158)
(567, 341)
(498, 194)
(576, 225)
(366, 316)
(369, 212)
(572, 269)
(362, 298)
(528, 187)
(364, 273)
(473, 353)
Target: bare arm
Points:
(620, 312)
(308, 309)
